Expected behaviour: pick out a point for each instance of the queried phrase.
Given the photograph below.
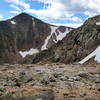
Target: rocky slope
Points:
(50, 82)
(75, 46)
(25, 35)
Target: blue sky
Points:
(62, 12)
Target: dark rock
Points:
(2, 89)
(47, 79)
(18, 84)
(75, 46)
(83, 74)
(56, 75)
(98, 89)
(29, 80)
(76, 78)
(27, 32)
(52, 79)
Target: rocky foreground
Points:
(49, 82)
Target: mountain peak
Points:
(93, 20)
(24, 14)
(22, 17)
(95, 17)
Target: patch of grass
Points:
(16, 97)
(19, 95)
(55, 74)
(28, 94)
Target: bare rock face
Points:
(25, 35)
(75, 46)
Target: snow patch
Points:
(98, 23)
(53, 29)
(95, 53)
(32, 18)
(30, 52)
(33, 21)
(13, 22)
(61, 35)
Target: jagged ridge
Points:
(75, 46)
(25, 35)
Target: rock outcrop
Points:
(26, 35)
(75, 46)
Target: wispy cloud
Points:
(15, 7)
(16, 3)
(61, 9)
(64, 9)
(14, 12)
(20, 3)
(74, 25)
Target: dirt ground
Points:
(59, 81)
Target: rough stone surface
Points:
(49, 82)
(23, 36)
(75, 46)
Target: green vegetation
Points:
(98, 29)
(9, 96)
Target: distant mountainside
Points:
(25, 35)
(78, 44)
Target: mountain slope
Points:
(95, 54)
(75, 46)
(25, 35)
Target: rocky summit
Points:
(77, 44)
(25, 35)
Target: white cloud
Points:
(20, 2)
(56, 11)
(62, 9)
(90, 14)
(15, 7)
(44, 1)
(76, 19)
(1, 17)
(74, 25)
(65, 9)
(15, 12)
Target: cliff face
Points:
(25, 35)
(75, 46)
